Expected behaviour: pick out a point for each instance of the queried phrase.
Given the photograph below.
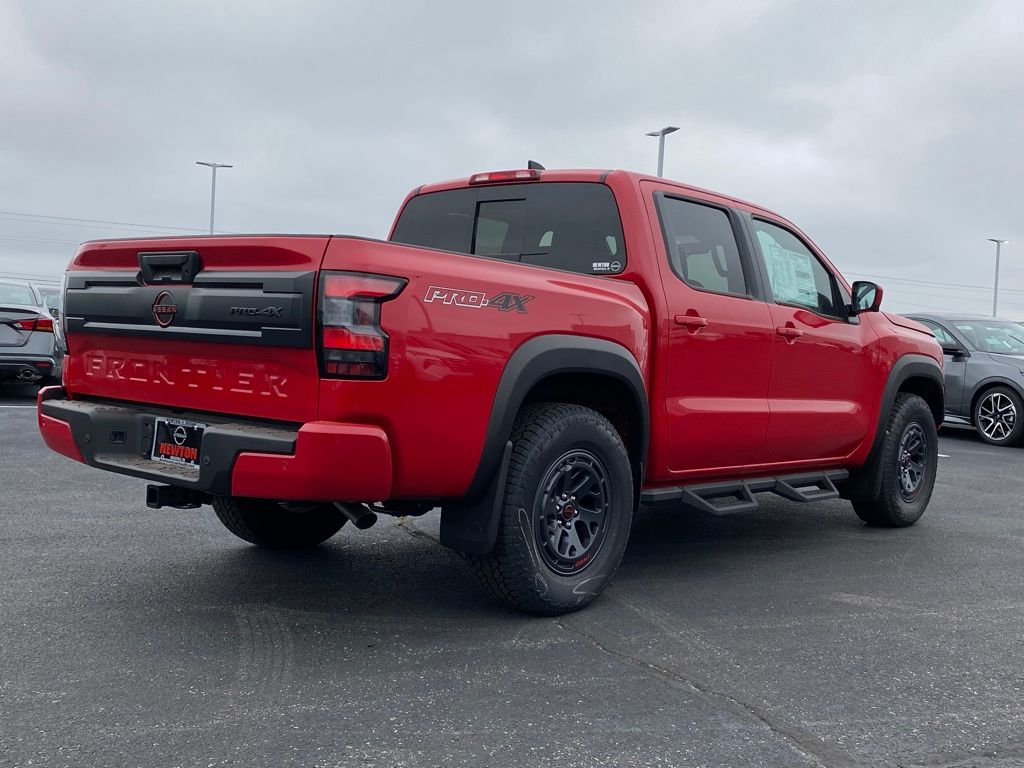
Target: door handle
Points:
(789, 333)
(692, 323)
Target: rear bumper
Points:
(319, 461)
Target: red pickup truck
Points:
(535, 352)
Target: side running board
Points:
(731, 496)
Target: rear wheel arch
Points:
(546, 365)
(595, 373)
(607, 394)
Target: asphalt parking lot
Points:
(795, 636)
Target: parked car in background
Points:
(49, 292)
(53, 301)
(984, 373)
(29, 348)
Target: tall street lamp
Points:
(995, 288)
(213, 186)
(661, 134)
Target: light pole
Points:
(661, 134)
(213, 186)
(995, 288)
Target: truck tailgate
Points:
(219, 324)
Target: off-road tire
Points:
(891, 507)
(516, 571)
(268, 524)
(1016, 434)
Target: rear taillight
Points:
(352, 343)
(41, 324)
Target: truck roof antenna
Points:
(533, 165)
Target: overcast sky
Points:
(890, 132)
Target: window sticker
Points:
(790, 272)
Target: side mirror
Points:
(954, 350)
(867, 297)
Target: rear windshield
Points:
(15, 293)
(565, 225)
(46, 291)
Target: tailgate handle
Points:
(169, 266)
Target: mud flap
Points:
(471, 526)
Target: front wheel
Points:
(270, 524)
(566, 513)
(999, 417)
(908, 460)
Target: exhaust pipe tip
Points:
(359, 514)
(29, 374)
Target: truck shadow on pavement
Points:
(399, 567)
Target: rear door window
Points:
(702, 247)
(572, 226)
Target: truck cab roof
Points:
(598, 175)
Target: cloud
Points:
(889, 132)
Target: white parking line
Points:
(944, 456)
(17, 406)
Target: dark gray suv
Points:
(984, 372)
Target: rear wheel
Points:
(269, 524)
(567, 511)
(999, 416)
(908, 460)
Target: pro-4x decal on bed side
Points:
(504, 301)
(508, 301)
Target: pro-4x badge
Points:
(504, 301)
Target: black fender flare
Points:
(867, 480)
(471, 524)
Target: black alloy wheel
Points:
(912, 459)
(571, 512)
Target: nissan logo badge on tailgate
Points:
(164, 309)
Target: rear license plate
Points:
(177, 441)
